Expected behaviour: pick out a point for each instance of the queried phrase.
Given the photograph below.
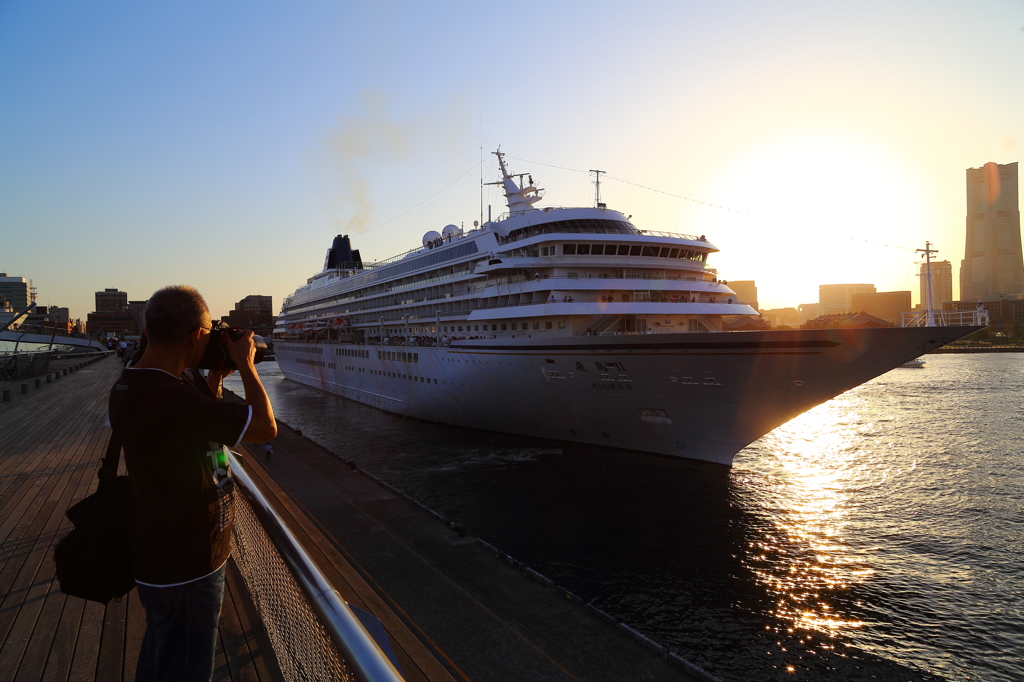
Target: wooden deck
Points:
(51, 442)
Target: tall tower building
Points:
(992, 263)
(942, 284)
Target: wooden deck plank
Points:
(87, 646)
(264, 659)
(221, 670)
(26, 595)
(24, 420)
(111, 651)
(48, 618)
(62, 649)
(233, 636)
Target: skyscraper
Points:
(992, 263)
(942, 284)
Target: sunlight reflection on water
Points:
(804, 556)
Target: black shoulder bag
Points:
(94, 561)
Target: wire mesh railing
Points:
(314, 633)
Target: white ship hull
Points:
(697, 395)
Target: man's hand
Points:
(243, 351)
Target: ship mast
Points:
(928, 251)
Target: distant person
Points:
(180, 479)
(269, 449)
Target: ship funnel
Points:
(341, 254)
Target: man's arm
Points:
(262, 427)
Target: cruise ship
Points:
(570, 324)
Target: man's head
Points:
(174, 313)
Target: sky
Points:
(224, 144)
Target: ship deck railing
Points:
(945, 318)
(539, 230)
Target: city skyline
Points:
(190, 143)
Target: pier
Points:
(449, 608)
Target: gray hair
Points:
(173, 312)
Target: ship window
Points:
(536, 325)
(623, 249)
(547, 325)
(494, 327)
(572, 275)
(582, 249)
(513, 326)
(664, 252)
(476, 327)
(597, 249)
(569, 249)
(634, 250)
(460, 327)
(503, 327)
(650, 251)
(415, 357)
(561, 324)
(674, 253)
(609, 249)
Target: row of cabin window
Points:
(352, 352)
(303, 349)
(625, 250)
(398, 356)
(314, 363)
(503, 327)
(406, 377)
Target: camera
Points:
(216, 355)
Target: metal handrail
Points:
(361, 653)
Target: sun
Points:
(819, 208)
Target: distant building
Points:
(48, 318)
(942, 284)
(253, 312)
(835, 298)
(992, 263)
(14, 290)
(111, 301)
(138, 308)
(779, 317)
(885, 305)
(808, 311)
(119, 323)
(746, 292)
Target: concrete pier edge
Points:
(623, 629)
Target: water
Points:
(878, 536)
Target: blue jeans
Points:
(181, 630)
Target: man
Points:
(172, 431)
